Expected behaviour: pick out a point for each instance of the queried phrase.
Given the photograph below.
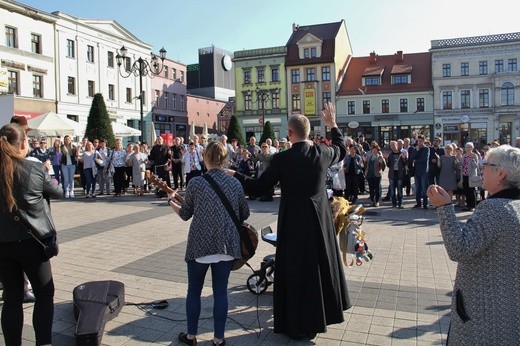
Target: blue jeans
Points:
(90, 180)
(421, 186)
(219, 276)
(68, 177)
(397, 199)
(57, 173)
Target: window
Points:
(10, 37)
(262, 100)
(36, 43)
(499, 66)
(465, 96)
(247, 76)
(275, 75)
(71, 85)
(508, 94)
(313, 52)
(326, 97)
(129, 95)
(366, 107)
(182, 98)
(91, 88)
(446, 70)
(37, 86)
(182, 81)
(111, 93)
(385, 106)
(248, 101)
(260, 75)
(165, 71)
(174, 101)
(12, 82)
(110, 59)
(464, 68)
(296, 102)
(511, 65)
(420, 104)
(128, 64)
(400, 79)
(325, 73)
(483, 98)
(351, 107)
(275, 100)
(165, 96)
(174, 73)
(157, 95)
(306, 53)
(295, 76)
(482, 68)
(403, 105)
(447, 99)
(90, 53)
(374, 80)
(70, 49)
(311, 74)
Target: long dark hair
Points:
(11, 138)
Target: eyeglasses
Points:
(489, 164)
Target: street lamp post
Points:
(262, 97)
(141, 68)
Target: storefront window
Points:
(506, 133)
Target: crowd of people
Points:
(412, 166)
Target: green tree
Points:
(268, 132)
(234, 131)
(98, 122)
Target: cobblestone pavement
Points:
(402, 297)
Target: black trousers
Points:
(119, 179)
(469, 192)
(15, 259)
(177, 175)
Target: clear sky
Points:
(383, 26)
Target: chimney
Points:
(399, 57)
(373, 57)
(295, 27)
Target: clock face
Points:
(227, 63)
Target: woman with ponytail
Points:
(25, 188)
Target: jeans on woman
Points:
(68, 178)
(219, 276)
(16, 258)
(57, 173)
(90, 180)
(374, 187)
(469, 192)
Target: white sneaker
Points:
(67, 195)
(71, 195)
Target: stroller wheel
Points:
(257, 284)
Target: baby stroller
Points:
(260, 280)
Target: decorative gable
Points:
(309, 46)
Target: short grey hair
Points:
(505, 156)
(469, 144)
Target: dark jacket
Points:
(33, 189)
(401, 165)
(160, 154)
(420, 159)
(358, 165)
(72, 154)
(307, 253)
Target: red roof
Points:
(325, 32)
(416, 64)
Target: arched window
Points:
(508, 94)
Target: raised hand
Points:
(329, 115)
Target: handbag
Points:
(46, 238)
(475, 181)
(248, 234)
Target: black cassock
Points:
(310, 290)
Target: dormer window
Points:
(401, 74)
(309, 52)
(309, 47)
(400, 79)
(372, 75)
(372, 80)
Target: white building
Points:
(27, 57)
(86, 51)
(476, 88)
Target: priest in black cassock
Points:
(310, 290)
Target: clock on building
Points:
(227, 63)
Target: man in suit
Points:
(421, 158)
(310, 290)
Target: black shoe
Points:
(386, 199)
(183, 338)
(417, 206)
(425, 207)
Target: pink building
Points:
(206, 111)
(169, 104)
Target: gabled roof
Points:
(325, 32)
(416, 64)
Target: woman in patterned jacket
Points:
(486, 303)
(213, 239)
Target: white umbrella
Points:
(153, 135)
(121, 130)
(50, 124)
(79, 129)
(192, 130)
(205, 130)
